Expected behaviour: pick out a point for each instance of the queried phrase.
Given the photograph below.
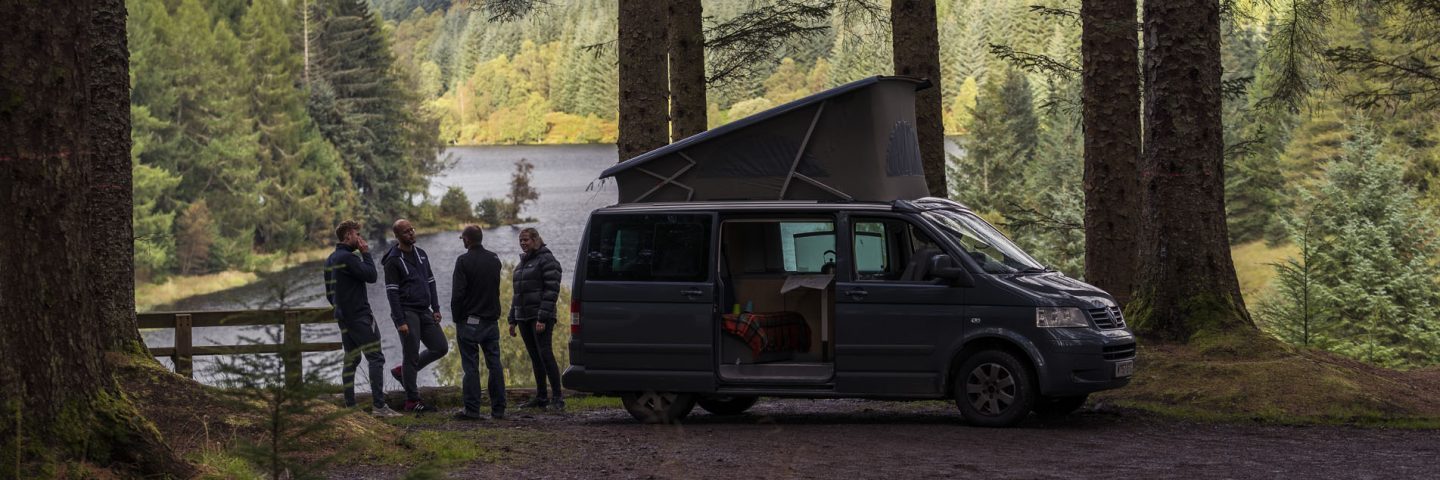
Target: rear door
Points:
(649, 302)
(891, 318)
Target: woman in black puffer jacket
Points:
(532, 310)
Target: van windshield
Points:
(983, 243)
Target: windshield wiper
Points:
(1037, 270)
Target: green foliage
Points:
(455, 205)
(1369, 250)
(1003, 137)
(521, 192)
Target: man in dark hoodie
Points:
(475, 305)
(415, 308)
(347, 271)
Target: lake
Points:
(564, 175)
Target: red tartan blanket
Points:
(770, 331)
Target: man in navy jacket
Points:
(347, 271)
(415, 309)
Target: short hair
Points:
(473, 233)
(343, 230)
(533, 233)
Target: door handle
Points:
(692, 292)
(856, 293)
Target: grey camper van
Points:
(794, 254)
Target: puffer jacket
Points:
(536, 287)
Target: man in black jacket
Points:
(347, 271)
(415, 309)
(475, 305)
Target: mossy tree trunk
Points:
(687, 69)
(644, 89)
(67, 293)
(1186, 277)
(1109, 49)
(916, 49)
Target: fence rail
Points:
(291, 348)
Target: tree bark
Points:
(1187, 280)
(916, 44)
(643, 81)
(687, 69)
(67, 292)
(1109, 48)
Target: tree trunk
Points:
(67, 292)
(917, 53)
(687, 69)
(1187, 281)
(1109, 47)
(643, 85)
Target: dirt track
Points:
(869, 439)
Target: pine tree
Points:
(1001, 141)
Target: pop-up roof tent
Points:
(853, 142)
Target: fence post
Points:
(183, 358)
(290, 351)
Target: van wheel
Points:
(1057, 407)
(994, 389)
(658, 407)
(727, 405)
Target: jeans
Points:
(423, 329)
(361, 337)
(474, 339)
(542, 357)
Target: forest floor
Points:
(872, 439)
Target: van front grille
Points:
(1120, 352)
(1107, 318)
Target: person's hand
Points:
(437, 317)
(404, 329)
(539, 327)
(364, 247)
(512, 330)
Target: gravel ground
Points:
(874, 439)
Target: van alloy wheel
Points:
(994, 388)
(658, 407)
(990, 388)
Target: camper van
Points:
(794, 254)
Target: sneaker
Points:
(417, 406)
(557, 404)
(384, 412)
(397, 372)
(465, 416)
(537, 402)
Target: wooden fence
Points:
(291, 348)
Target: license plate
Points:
(1125, 369)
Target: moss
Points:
(220, 465)
(1198, 315)
(444, 449)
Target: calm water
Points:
(566, 179)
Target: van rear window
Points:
(649, 248)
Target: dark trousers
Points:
(361, 337)
(474, 339)
(542, 357)
(423, 329)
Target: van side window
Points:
(892, 250)
(807, 246)
(649, 248)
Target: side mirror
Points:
(945, 268)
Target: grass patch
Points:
(591, 402)
(148, 296)
(219, 465)
(1252, 266)
(444, 449)
(1251, 378)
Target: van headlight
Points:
(1060, 317)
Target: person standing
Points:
(475, 306)
(415, 309)
(536, 287)
(347, 271)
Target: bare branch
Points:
(741, 44)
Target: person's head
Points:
(404, 232)
(472, 236)
(530, 239)
(348, 233)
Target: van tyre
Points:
(727, 405)
(994, 389)
(658, 407)
(1052, 408)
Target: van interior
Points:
(778, 300)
